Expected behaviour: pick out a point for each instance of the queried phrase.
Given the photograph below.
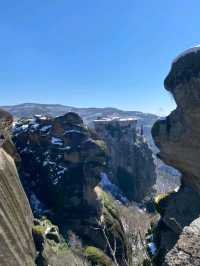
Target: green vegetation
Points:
(39, 229)
(161, 202)
(97, 257)
(41, 225)
(110, 210)
(102, 145)
(58, 248)
(160, 197)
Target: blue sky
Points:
(93, 52)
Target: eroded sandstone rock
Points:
(178, 138)
(16, 219)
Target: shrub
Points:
(97, 257)
(39, 229)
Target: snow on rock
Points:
(107, 185)
(194, 49)
(47, 162)
(65, 148)
(115, 119)
(41, 117)
(17, 127)
(64, 169)
(56, 180)
(45, 128)
(56, 141)
(72, 131)
(24, 127)
(35, 126)
(24, 150)
(151, 248)
(14, 124)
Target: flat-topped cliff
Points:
(131, 162)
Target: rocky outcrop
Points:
(59, 157)
(61, 163)
(178, 139)
(131, 165)
(186, 251)
(16, 220)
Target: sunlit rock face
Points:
(16, 220)
(131, 163)
(178, 138)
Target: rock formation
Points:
(178, 138)
(16, 219)
(59, 157)
(61, 163)
(131, 163)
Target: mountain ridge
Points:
(29, 105)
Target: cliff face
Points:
(61, 163)
(131, 163)
(178, 138)
(59, 157)
(16, 242)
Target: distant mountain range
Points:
(88, 114)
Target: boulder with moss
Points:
(97, 257)
(52, 248)
(48, 241)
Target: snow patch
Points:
(107, 185)
(71, 131)
(56, 180)
(56, 141)
(41, 117)
(115, 118)
(66, 148)
(152, 248)
(62, 171)
(34, 127)
(24, 150)
(194, 49)
(46, 162)
(45, 128)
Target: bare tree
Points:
(113, 249)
